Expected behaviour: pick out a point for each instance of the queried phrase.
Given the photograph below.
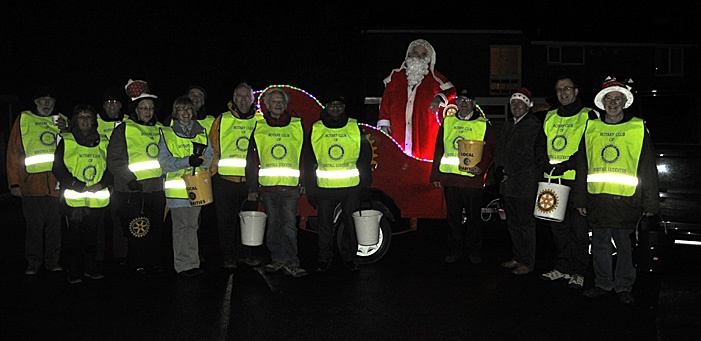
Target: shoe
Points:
(248, 261)
(626, 297)
(229, 264)
(323, 266)
(451, 259)
(576, 282)
(294, 271)
(74, 280)
(595, 292)
(94, 275)
(512, 264)
(351, 265)
(522, 270)
(474, 259)
(31, 270)
(192, 272)
(554, 275)
(140, 271)
(275, 266)
(54, 267)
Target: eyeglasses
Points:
(464, 99)
(146, 109)
(615, 100)
(563, 89)
(335, 104)
(111, 101)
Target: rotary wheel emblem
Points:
(547, 201)
(139, 226)
(450, 110)
(373, 162)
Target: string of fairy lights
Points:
(439, 115)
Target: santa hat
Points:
(522, 94)
(610, 85)
(137, 90)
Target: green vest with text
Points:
(279, 153)
(234, 135)
(564, 135)
(87, 164)
(613, 153)
(454, 130)
(337, 151)
(107, 127)
(142, 149)
(179, 147)
(39, 141)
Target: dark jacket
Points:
(118, 164)
(615, 211)
(521, 155)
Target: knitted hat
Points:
(611, 84)
(45, 91)
(113, 93)
(522, 94)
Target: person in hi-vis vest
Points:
(80, 165)
(132, 158)
(177, 155)
(273, 173)
(230, 136)
(463, 189)
(30, 155)
(616, 184)
(337, 168)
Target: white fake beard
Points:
(416, 69)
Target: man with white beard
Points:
(413, 94)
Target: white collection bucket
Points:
(551, 201)
(367, 226)
(252, 227)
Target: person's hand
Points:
(436, 184)
(475, 170)
(94, 188)
(582, 211)
(16, 191)
(253, 196)
(195, 160)
(436, 103)
(386, 129)
(134, 185)
(558, 169)
(62, 125)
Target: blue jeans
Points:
(601, 250)
(281, 227)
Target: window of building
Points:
(669, 61)
(569, 55)
(505, 69)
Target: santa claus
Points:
(411, 101)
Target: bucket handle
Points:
(194, 169)
(559, 178)
(360, 208)
(244, 201)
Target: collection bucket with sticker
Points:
(551, 201)
(469, 153)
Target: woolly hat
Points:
(45, 91)
(113, 93)
(522, 94)
(611, 84)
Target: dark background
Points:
(83, 47)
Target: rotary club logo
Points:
(547, 201)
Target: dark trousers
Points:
(111, 241)
(464, 238)
(80, 241)
(144, 248)
(571, 237)
(43, 222)
(521, 224)
(326, 203)
(229, 197)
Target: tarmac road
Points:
(410, 294)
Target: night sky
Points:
(83, 47)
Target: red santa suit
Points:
(407, 109)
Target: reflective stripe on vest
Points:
(337, 151)
(564, 135)
(87, 164)
(178, 146)
(454, 130)
(142, 150)
(613, 153)
(234, 136)
(279, 152)
(39, 141)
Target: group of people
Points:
(132, 167)
(127, 170)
